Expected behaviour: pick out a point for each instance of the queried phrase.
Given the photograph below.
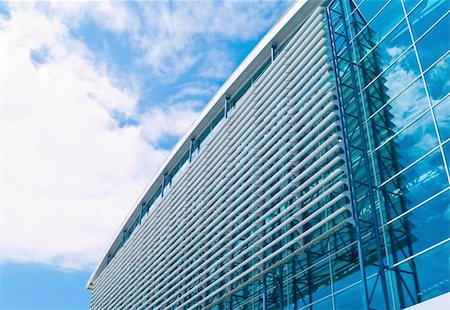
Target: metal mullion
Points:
(426, 86)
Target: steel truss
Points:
(395, 204)
(362, 190)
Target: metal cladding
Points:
(268, 182)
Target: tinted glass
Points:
(416, 184)
(411, 143)
(426, 14)
(430, 271)
(410, 4)
(351, 298)
(442, 114)
(438, 38)
(420, 229)
(437, 79)
(401, 73)
(393, 45)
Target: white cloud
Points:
(217, 65)
(69, 173)
(180, 34)
(171, 120)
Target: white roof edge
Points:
(215, 102)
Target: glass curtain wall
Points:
(400, 55)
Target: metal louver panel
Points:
(269, 182)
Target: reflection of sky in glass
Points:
(409, 104)
(426, 14)
(446, 148)
(401, 82)
(432, 270)
(413, 142)
(442, 114)
(393, 45)
(423, 180)
(429, 223)
(438, 39)
(438, 79)
(401, 79)
(386, 20)
(410, 4)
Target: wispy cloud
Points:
(69, 172)
(183, 33)
(80, 138)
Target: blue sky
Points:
(93, 97)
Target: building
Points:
(316, 178)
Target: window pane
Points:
(401, 73)
(325, 304)
(386, 20)
(430, 271)
(446, 147)
(442, 114)
(426, 14)
(438, 39)
(404, 108)
(438, 79)
(351, 298)
(410, 4)
(421, 181)
(393, 45)
(408, 146)
(369, 9)
(420, 229)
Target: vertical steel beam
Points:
(342, 107)
(142, 211)
(162, 184)
(273, 50)
(191, 149)
(264, 293)
(227, 101)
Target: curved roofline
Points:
(277, 34)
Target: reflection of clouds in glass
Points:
(417, 139)
(394, 51)
(408, 104)
(438, 79)
(420, 137)
(442, 114)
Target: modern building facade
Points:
(316, 178)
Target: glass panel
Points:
(438, 39)
(426, 14)
(408, 146)
(346, 269)
(404, 108)
(442, 114)
(446, 147)
(418, 183)
(385, 21)
(325, 304)
(437, 79)
(410, 4)
(368, 9)
(351, 298)
(377, 299)
(426, 276)
(427, 225)
(400, 74)
(393, 45)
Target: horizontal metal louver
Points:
(268, 182)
